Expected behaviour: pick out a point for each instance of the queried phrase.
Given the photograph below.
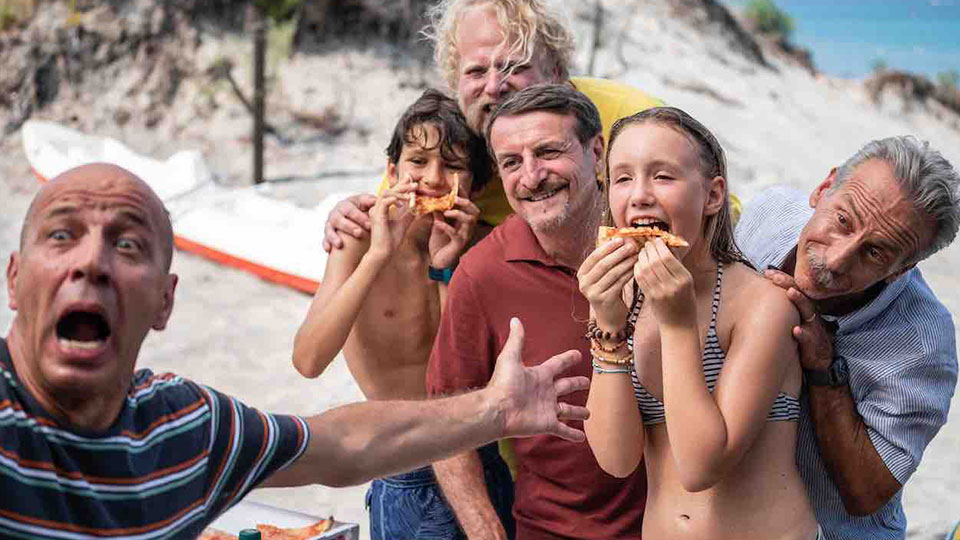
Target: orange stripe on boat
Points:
(273, 275)
(301, 284)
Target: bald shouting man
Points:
(91, 447)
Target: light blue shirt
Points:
(902, 358)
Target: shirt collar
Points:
(4, 353)
(23, 395)
(853, 320)
(521, 245)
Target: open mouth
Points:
(85, 330)
(543, 195)
(652, 223)
(429, 195)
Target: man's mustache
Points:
(821, 274)
(486, 106)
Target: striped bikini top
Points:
(785, 407)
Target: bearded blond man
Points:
(485, 51)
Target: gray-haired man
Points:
(877, 347)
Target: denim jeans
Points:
(410, 506)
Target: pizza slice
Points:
(425, 205)
(214, 534)
(640, 233)
(270, 532)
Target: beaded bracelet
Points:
(594, 332)
(597, 368)
(625, 359)
(597, 344)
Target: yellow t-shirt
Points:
(614, 101)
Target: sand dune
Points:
(232, 331)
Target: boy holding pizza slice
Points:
(381, 297)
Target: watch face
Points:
(839, 372)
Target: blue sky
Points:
(847, 36)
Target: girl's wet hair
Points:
(718, 229)
(457, 141)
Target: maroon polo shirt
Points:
(561, 492)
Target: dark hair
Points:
(557, 98)
(435, 108)
(719, 227)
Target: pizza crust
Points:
(269, 532)
(214, 534)
(641, 233)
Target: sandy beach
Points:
(234, 332)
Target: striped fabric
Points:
(178, 455)
(901, 353)
(785, 407)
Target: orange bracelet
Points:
(595, 343)
(609, 358)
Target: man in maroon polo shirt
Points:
(547, 143)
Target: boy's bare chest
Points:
(401, 315)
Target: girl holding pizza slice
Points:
(696, 371)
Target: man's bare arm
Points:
(860, 474)
(462, 480)
(853, 463)
(355, 443)
(358, 442)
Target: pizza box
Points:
(246, 515)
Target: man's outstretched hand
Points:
(528, 396)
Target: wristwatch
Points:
(443, 275)
(836, 375)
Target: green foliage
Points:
(280, 41)
(279, 10)
(767, 18)
(7, 19)
(13, 12)
(949, 80)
